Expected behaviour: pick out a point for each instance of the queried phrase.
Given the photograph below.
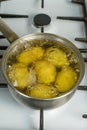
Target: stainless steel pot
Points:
(15, 47)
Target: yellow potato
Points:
(45, 71)
(31, 55)
(19, 75)
(42, 91)
(56, 56)
(66, 79)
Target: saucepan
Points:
(19, 42)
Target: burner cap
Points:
(41, 20)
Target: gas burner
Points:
(41, 20)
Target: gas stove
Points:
(65, 18)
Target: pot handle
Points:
(7, 31)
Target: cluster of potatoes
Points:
(42, 73)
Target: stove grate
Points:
(13, 16)
(80, 19)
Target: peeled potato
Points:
(31, 55)
(45, 71)
(56, 56)
(66, 79)
(19, 75)
(42, 91)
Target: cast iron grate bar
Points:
(78, 1)
(81, 39)
(42, 29)
(3, 85)
(1, 56)
(83, 50)
(80, 19)
(3, 0)
(84, 116)
(85, 59)
(42, 3)
(82, 87)
(1, 37)
(41, 119)
(13, 16)
(3, 47)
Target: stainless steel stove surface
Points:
(72, 115)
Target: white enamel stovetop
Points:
(14, 116)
